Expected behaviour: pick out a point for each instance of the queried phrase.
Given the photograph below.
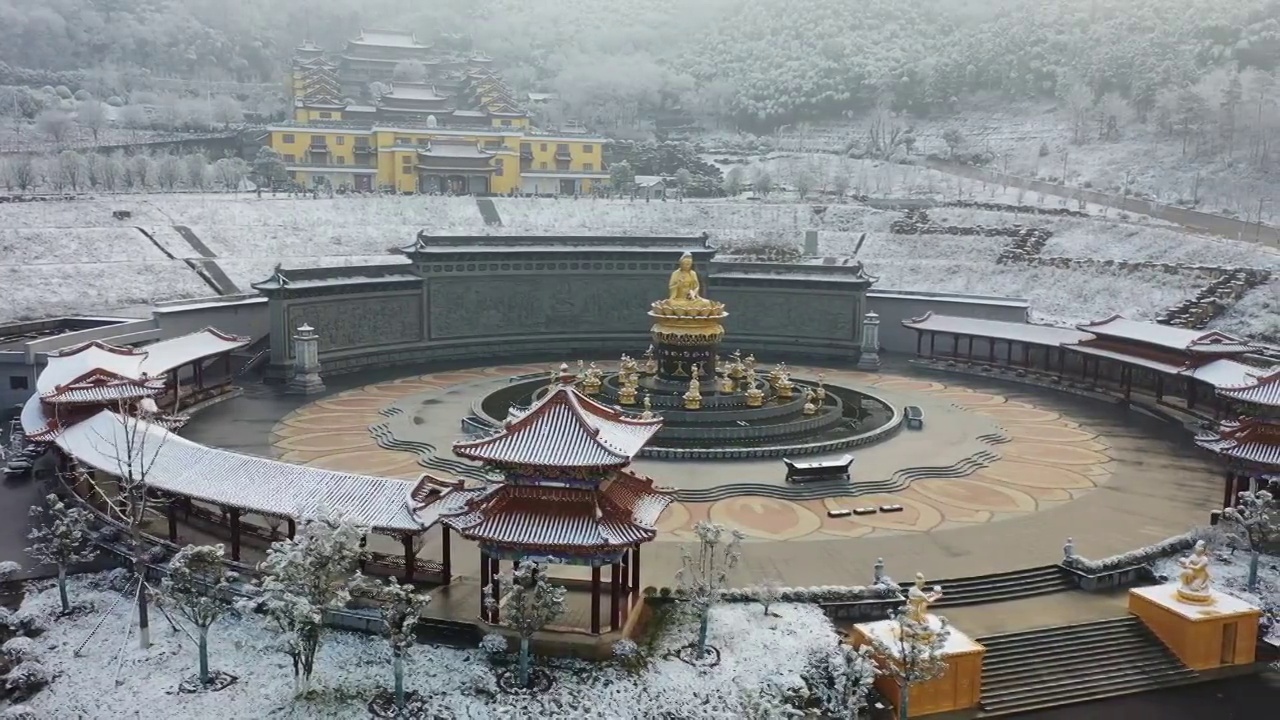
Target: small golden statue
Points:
(592, 380)
(755, 396)
(784, 386)
(821, 391)
(727, 383)
(650, 364)
(750, 363)
(627, 393)
(1195, 583)
(810, 407)
(648, 408)
(693, 397)
(737, 370)
(917, 611)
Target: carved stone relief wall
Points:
(565, 304)
(780, 312)
(349, 323)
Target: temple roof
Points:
(102, 387)
(1165, 336)
(1000, 329)
(406, 91)
(620, 513)
(388, 38)
(1248, 440)
(1264, 390)
(563, 429)
(455, 150)
(74, 363)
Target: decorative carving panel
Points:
(463, 307)
(346, 323)
(787, 313)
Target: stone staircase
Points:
(1069, 664)
(1001, 586)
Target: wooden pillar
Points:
(635, 569)
(1008, 358)
(495, 585)
(1191, 393)
(991, 350)
(933, 341)
(955, 346)
(626, 571)
(197, 372)
(595, 599)
(226, 358)
(969, 353)
(1126, 373)
(1026, 355)
(1097, 369)
(446, 562)
(615, 611)
(235, 534)
(291, 527)
(919, 343)
(171, 510)
(1159, 387)
(1084, 367)
(484, 585)
(409, 557)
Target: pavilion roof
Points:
(999, 329)
(103, 387)
(174, 464)
(563, 429)
(1264, 390)
(407, 91)
(388, 38)
(622, 511)
(1248, 440)
(1173, 338)
(75, 363)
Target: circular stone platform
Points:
(981, 457)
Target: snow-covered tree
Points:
(72, 168)
(841, 679)
(621, 176)
(57, 125)
(762, 181)
(22, 170)
(143, 170)
(701, 578)
(401, 606)
(409, 71)
(531, 604)
(913, 655)
(803, 180)
(303, 578)
(92, 115)
(732, 182)
(112, 171)
(768, 592)
(61, 538)
(195, 166)
(230, 172)
(226, 110)
(268, 166)
(1255, 520)
(200, 586)
(169, 172)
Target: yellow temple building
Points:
(457, 129)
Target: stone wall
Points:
(491, 299)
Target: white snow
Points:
(757, 652)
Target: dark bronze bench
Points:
(817, 471)
(914, 416)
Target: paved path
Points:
(207, 262)
(1158, 487)
(1251, 697)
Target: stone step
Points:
(1089, 694)
(1001, 595)
(1072, 693)
(1081, 671)
(990, 641)
(1053, 652)
(1012, 673)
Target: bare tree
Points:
(112, 171)
(226, 110)
(169, 172)
(23, 171)
(72, 168)
(195, 166)
(92, 115)
(143, 169)
(56, 125)
(133, 446)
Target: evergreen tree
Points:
(61, 539)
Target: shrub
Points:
(19, 649)
(26, 679)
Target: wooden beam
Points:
(446, 562)
(410, 557)
(635, 568)
(235, 534)
(595, 599)
(615, 611)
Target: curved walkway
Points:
(1111, 479)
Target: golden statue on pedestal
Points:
(592, 380)
(822, 391)
(684, 317)
(648, 408)
(810, 407)
(755, 396)
(784, 386)
(1195, 584)
(693, 397)
(727, 383)
(917, 610)
(627, 393)
(650, 364)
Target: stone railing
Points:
(1124, 570)
(858, 603)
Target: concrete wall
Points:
(894, 306)
(247, 316)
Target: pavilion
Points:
(1250, 444)
(564, 497)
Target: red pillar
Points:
(615, 611)
(484, 585)
(235, 534)
(595, 599)
(410, 557)
(635, 569)
(495, 584)
(446, 563)
(625, 564)
(171, 510)
(291, 527)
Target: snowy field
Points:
(58, 257)
(758, 653)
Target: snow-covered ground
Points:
(73, 257)
(757, 652)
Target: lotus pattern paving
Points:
(1049, 460)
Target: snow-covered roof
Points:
(466, 151)
(75, 363)
(999, 329)
(648, 180)
(413, 92)
(1168, 368)
(564, 429)
(174, 464)
(620, 513)
(1166, 336)
(1223, 373)
(388, 38)
(1248, 440)
(102, 387)
(175, 352)
(1263, 390)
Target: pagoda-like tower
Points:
(686, 328)
(1250, 445)
(564, 496)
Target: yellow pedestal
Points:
(1219, 634)
(959, 688)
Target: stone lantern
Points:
(306, 363)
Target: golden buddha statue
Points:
(684, 297)
(683, 285)
(693, 397)
(919, 599)
(1194, 582)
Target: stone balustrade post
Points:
(306, 363)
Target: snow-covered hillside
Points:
(73, 257)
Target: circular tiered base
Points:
(726, 427)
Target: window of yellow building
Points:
(288, 157)
(588, 149)
(287, 139)
(497, 164)
(588, 167)
(406, 170)
(506, 123)
(493, 144)
(342, 140)
(326, 115)
(544, 149)
(343, 161)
